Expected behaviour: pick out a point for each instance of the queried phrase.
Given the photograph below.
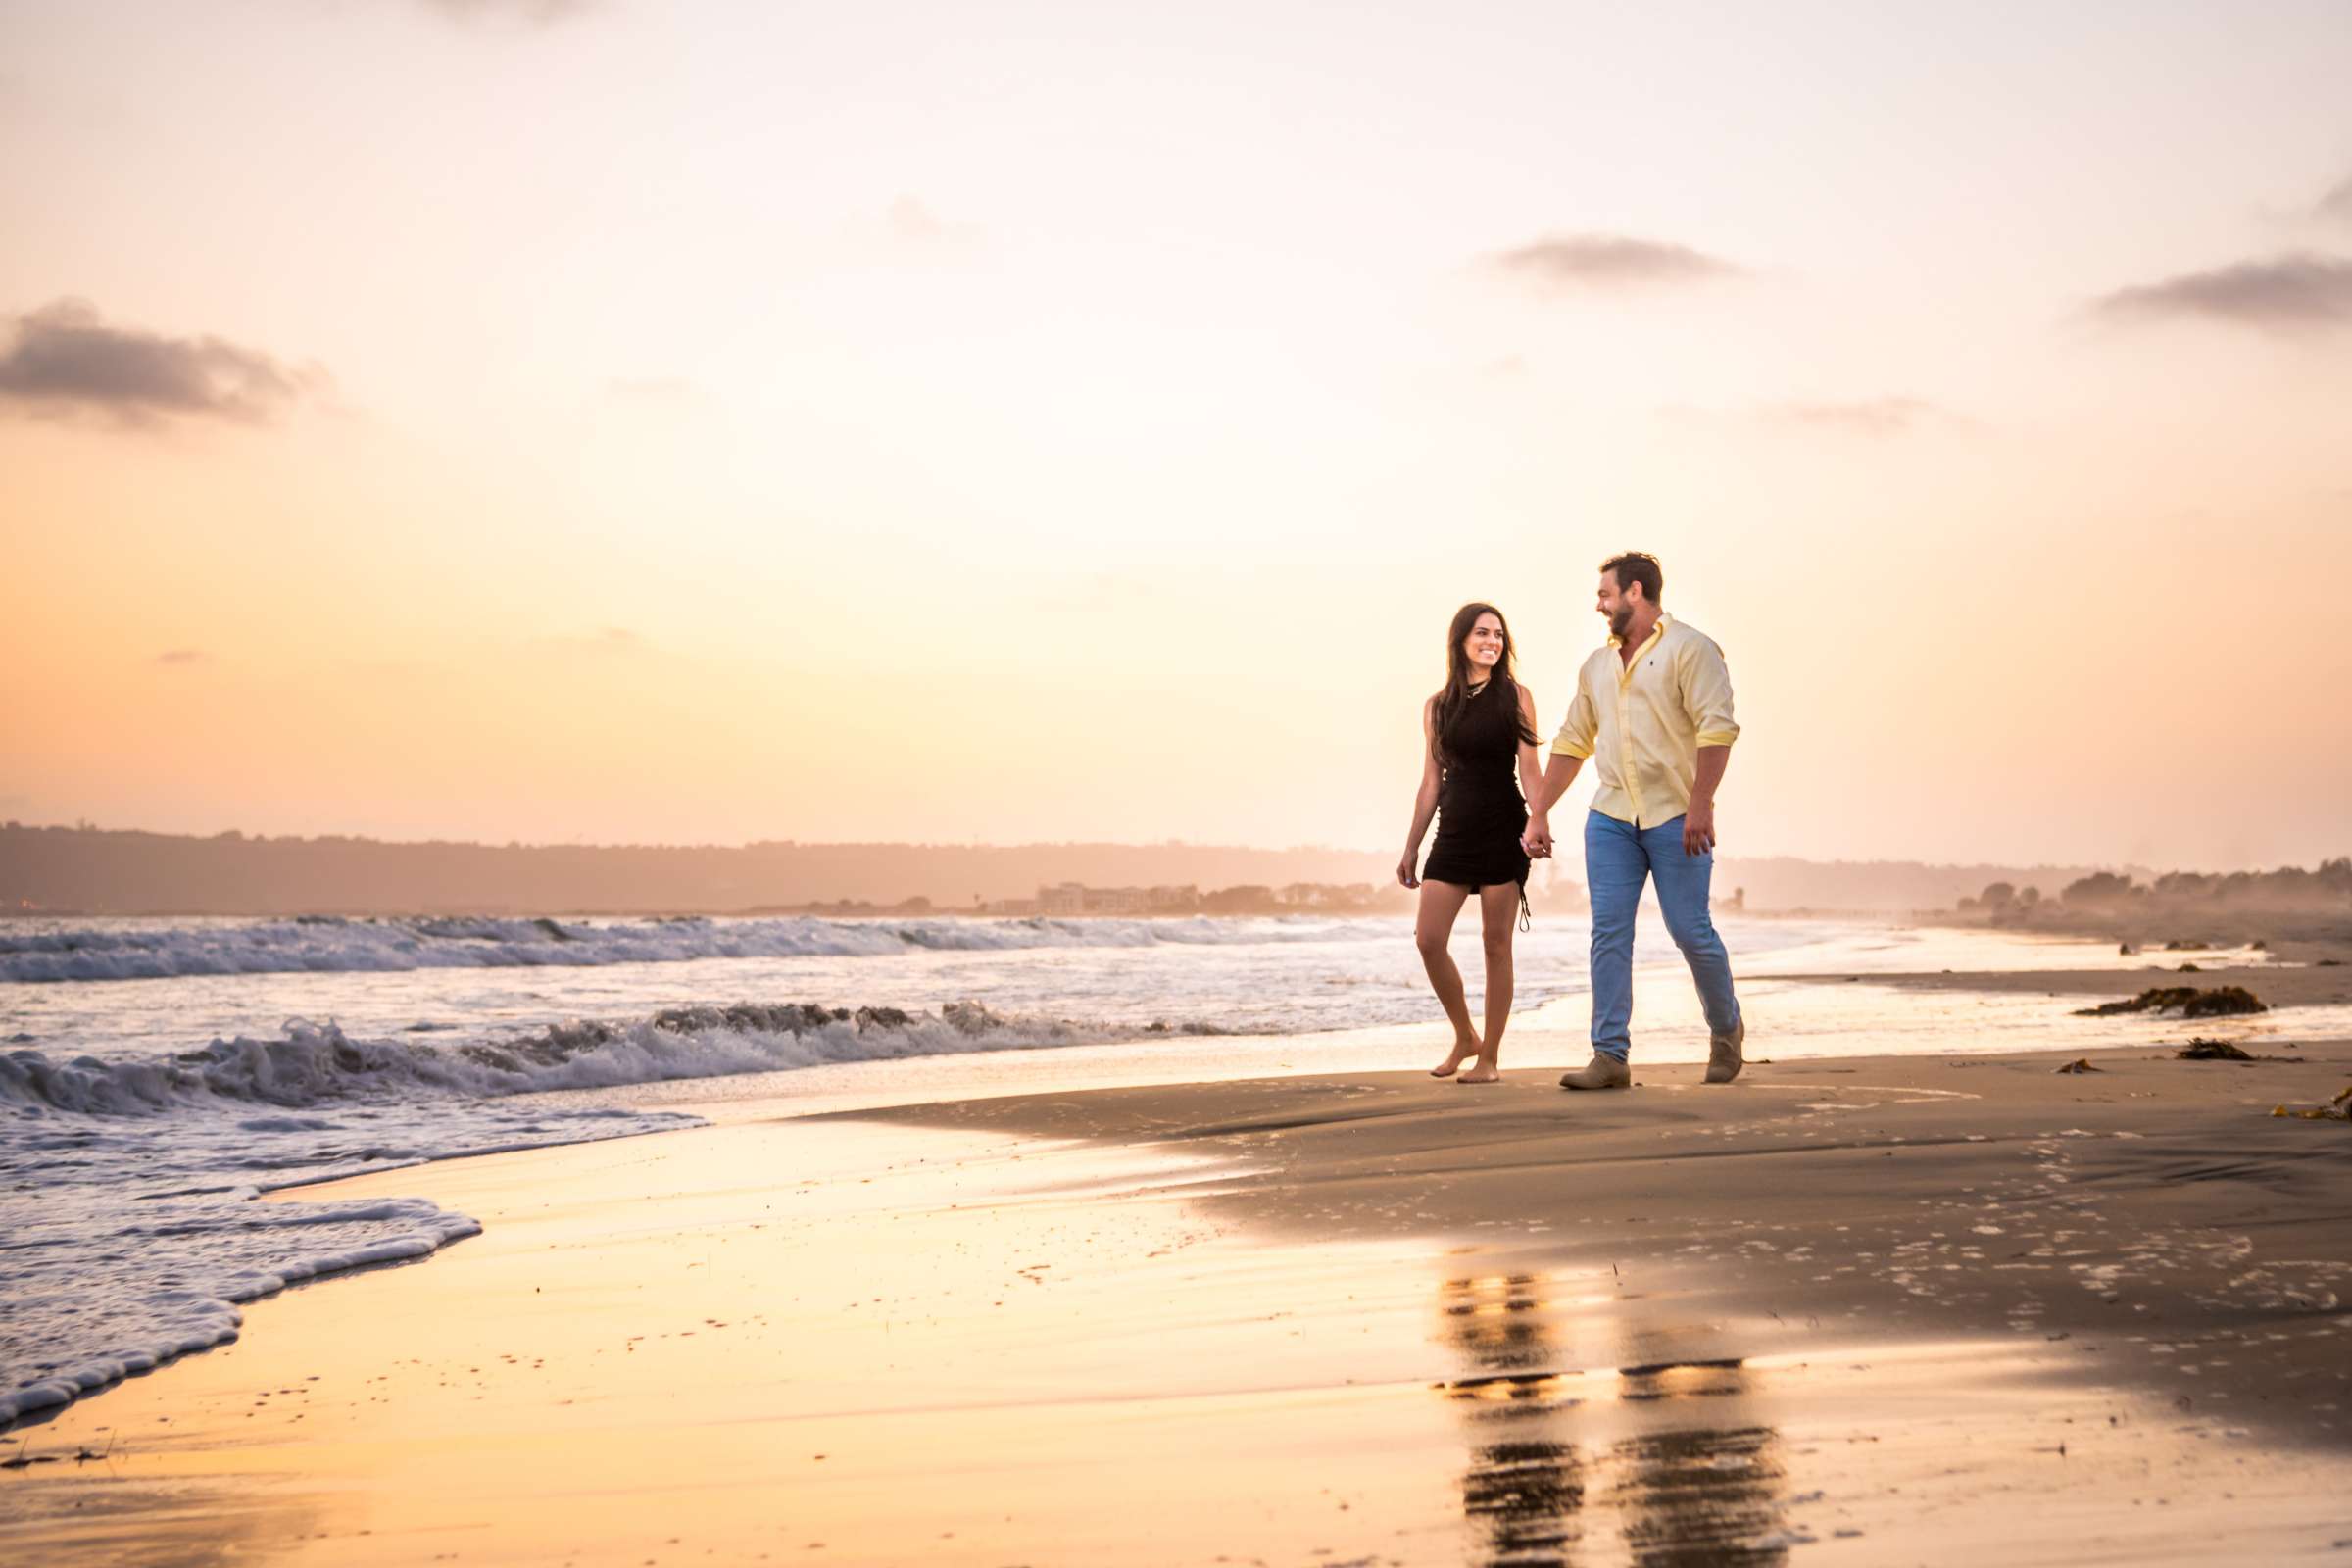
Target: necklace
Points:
(1473, 690)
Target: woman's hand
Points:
(1405, 869)
(1537, 840)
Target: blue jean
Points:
(1618, 858)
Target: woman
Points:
(1476, 729)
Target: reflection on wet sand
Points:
(1701, 1495)
(1548, 1443)
(98, 1516)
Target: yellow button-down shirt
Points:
(1643, 721)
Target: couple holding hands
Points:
(1653, 712)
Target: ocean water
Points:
(157, 1076)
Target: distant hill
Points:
(1888, 887)
(108, 871)
(115, 872)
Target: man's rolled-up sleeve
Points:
(1707, 693)
(1579, 728)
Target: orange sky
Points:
(714, 422)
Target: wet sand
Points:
(2278, 985)
(1873, 1310)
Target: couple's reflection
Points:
(1554, 1447)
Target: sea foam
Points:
(318, 942)
(130, 1225)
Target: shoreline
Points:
(1006, 1328)
(2001, 1152)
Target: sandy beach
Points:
(751, 755)
(1865, 1310)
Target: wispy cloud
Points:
(2297, 292)
(537, 13)
(913, 225)
(1561, 262)
(182, 656)
(64, 361)
(1871, 417)
(2337, 203)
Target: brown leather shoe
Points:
(1601, 1072)
(1724, 1059)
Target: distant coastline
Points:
(56, 871)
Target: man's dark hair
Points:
(1636, 567)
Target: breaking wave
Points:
(318, 1063)
(334, 944)
(129, 1230)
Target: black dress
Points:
(1481, 813)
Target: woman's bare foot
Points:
(1486, 1072)
(1463, 1051)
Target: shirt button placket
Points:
(1626, 766)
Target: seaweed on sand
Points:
(2337, 1109)
(2190, 1003)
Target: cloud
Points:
(1870, 416)
(655, 394)
(1606, 261)
(182, 656)
(2296, 291)
(64, 361)
(537, 13)
(2337, 203)
(913, 225)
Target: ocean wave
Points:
(310, 1065)
(332, 944)
(129, 1229)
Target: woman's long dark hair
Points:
(1457, 674)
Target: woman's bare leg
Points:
(1498, 917)
(1440, 902)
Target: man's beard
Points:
(1621, 621)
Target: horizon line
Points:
(239, 835)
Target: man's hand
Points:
(1698, 827)
(1537, 840)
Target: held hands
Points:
(1698, 828)
(1537, 840)
(1405, 869)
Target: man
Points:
(1654, 708)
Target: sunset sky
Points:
(711, 421)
